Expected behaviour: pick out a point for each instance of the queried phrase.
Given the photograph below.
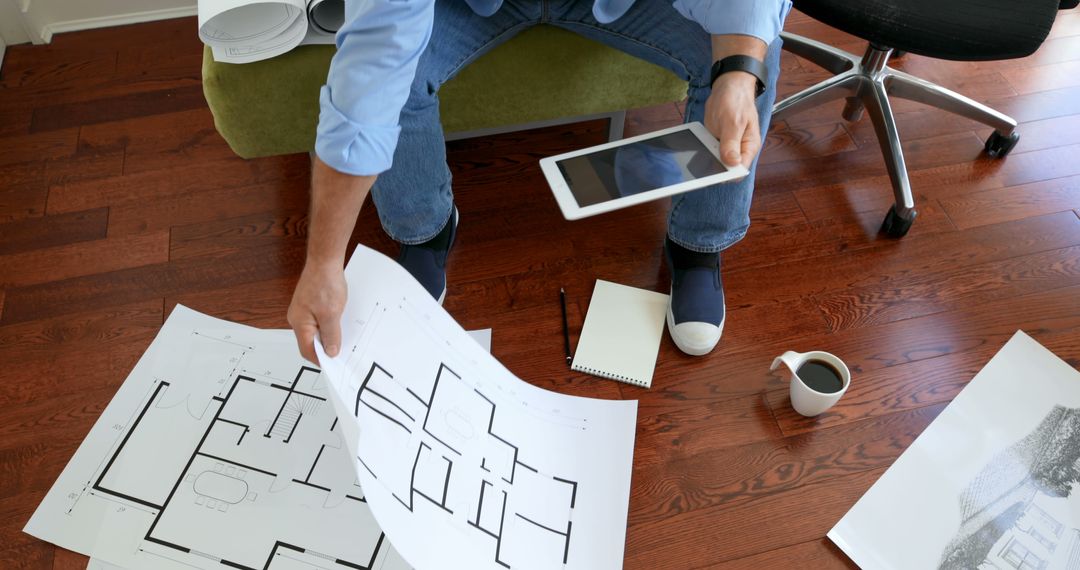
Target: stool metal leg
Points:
(906, 86)
(823, 55)
(876, 103)
(867, 83)
(844, 85)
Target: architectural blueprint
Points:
(220, 450)
(463, 464)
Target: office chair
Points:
(964, 30)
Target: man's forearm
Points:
(336, 199)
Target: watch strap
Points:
(746, 63)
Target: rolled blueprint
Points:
(240, 31)
(327, 16)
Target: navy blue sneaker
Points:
(427, 261)
(696, 309)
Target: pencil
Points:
(565, 327)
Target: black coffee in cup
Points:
(820, 376)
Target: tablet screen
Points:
(638, 167)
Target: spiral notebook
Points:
(621, 335)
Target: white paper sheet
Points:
(464, 465)
(987, 484)
(173, 339)
(220, 447)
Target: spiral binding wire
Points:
(609, 375)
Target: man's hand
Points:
(730, 113)
(732, 117)
(319, 298)
(316, 306)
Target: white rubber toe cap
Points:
(694, 338)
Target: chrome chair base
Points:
(867, 83)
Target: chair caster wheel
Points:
(998, 146)
(895, 226)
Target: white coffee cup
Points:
(806, 400)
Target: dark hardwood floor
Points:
(118, 200)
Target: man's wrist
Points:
(741, 65)
(738, 79)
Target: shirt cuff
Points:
(762, 19)
(350, 147)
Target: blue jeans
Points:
(414, 198)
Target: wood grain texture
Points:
(35, 233)
(119, 201)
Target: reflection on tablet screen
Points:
(638, 167)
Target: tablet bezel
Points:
(572, 211)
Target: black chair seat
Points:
(964, 30)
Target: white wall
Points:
(43, 18)
(11, 23)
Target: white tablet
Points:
(635, 170)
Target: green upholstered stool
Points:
(543, 76)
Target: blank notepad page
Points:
(621, 335)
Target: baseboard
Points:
(48, 30)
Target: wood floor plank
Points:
(79, 332)
(37, 556)
(159, 141)
(145, 187)
(190, 208)
(265, 302)
(148, 282)
(710, 536)
(130, 106)
(1014, 202)
(85, 164)
(746, 369)
(912, 256)
(22, 201)
(1044, 77)
(874, 194)
(38, 233)
(671, 430)
(23, 68)
(729, 477)
(833, 168)
(814, 140)
(233, 235)
(40, 146)
(1067, 24)
(820, 554)
(68, 560)
(826, 237)
(953, 288)
(83, 258)
(873, 393)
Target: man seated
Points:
(379, 131)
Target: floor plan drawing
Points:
(221, 450)
(463, 464)
(520, 508)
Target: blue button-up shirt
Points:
(381, 42)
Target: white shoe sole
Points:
(688, 346)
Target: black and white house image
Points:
(1020, 511)
(993, 483)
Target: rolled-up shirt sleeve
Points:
(369, 81)
(762, 19)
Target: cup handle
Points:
(788, 358)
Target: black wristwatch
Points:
(754, 67)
